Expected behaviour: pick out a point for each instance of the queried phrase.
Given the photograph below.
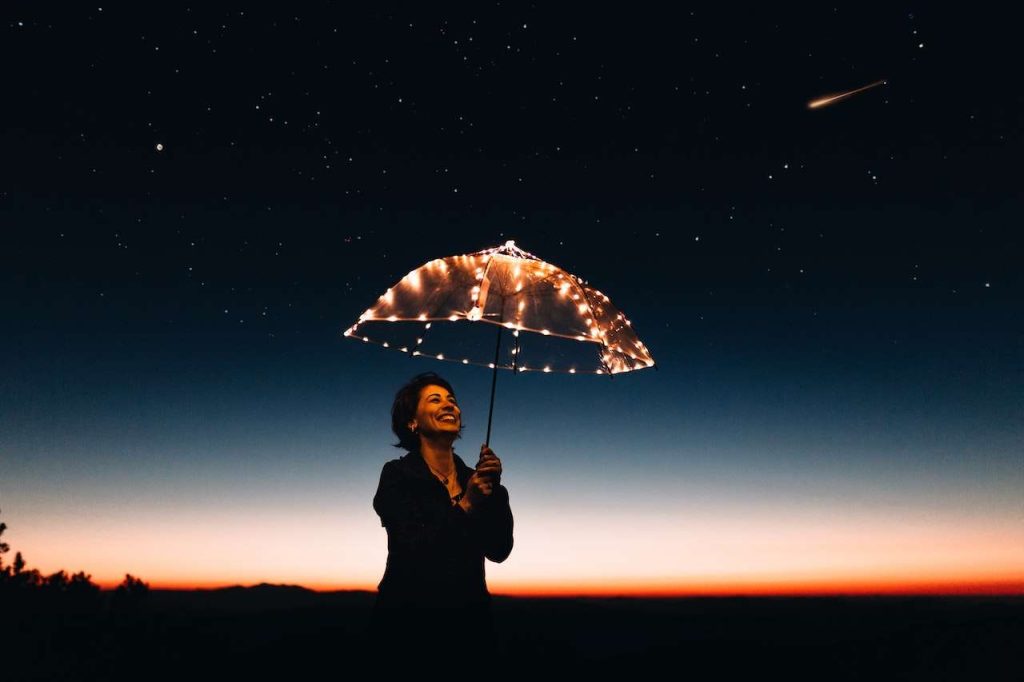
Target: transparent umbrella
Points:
(436, 311)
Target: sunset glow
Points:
(756, 550)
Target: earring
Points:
(412, 427)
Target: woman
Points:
(442, 519)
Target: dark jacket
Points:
(436, 550)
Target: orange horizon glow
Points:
(654, 548)
(1009, 586)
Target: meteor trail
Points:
(814, 104)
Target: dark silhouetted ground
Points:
(288, 632)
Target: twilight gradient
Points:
(210, 460)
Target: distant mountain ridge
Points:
(260, 597)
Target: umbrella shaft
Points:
(494, 383)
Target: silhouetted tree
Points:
(56, 582)
(4, 549)
(130, 593)
(33, 592)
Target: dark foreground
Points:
(291, 633)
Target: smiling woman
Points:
(443, 518)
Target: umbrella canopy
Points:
(512, 289)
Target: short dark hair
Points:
(404, 408)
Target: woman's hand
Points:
(485, 479)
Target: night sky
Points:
(196, 202)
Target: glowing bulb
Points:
(386, 344)
(453, 318)
(572, 371)
(440, 356)
(392, 318)
(491, 365)
(547, 369)
(474, 315)
(545, 332)
(423, 317)
(465, 361)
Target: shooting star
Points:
(824, 101)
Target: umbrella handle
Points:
(494, 382)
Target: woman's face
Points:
(437, 412)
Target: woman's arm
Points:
(496, 525)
